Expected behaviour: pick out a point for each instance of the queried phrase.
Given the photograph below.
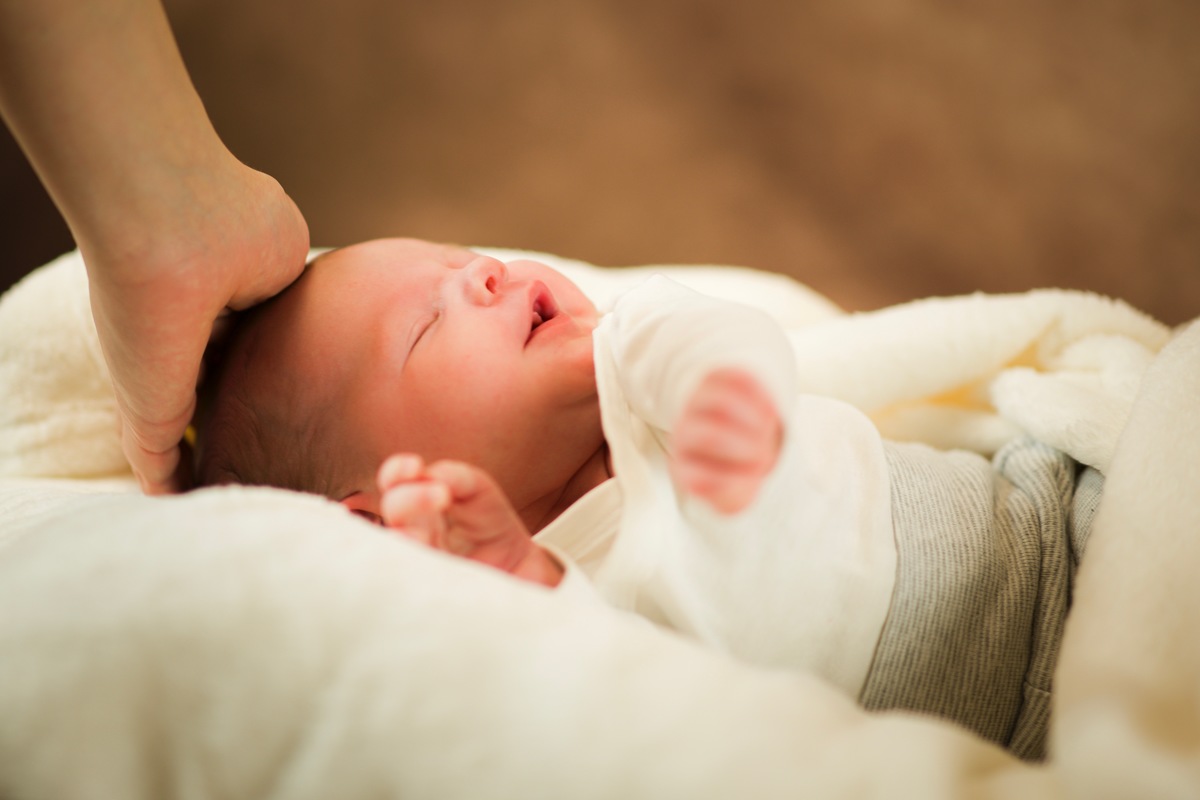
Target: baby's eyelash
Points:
(426, 326)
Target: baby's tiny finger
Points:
(728, 406)
(399, 468)
(696, 477)
(727, 492)
(406, 502)
(716, 441)
(462, 479)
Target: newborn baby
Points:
(478, 368)
(659, 453)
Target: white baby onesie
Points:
(802, 579)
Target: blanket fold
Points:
(58, 413)
(977, 371)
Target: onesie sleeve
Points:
(574, 586)
(666, 338)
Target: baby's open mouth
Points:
(543, 310)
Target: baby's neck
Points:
(595, 471)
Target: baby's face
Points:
(437, 350)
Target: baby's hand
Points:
(727, 440)
(457, 508)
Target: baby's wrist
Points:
(539, 567)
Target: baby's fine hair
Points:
(246, 435)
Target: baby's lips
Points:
(542, 307)
(544, 302)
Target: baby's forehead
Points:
(399, 253)
(403, 270)
(350, 300)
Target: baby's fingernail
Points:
(404, 465)
(440, 494)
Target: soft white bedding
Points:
(251, 643)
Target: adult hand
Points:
(173, 229)
(228, 239)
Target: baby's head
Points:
(400, 345)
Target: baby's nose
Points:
(484, 277)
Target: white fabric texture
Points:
(58, 416)
(802, 578)
(242, 643)
(973, 372)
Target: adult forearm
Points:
(173, 229)
(96, 93)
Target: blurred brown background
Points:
(877, 150)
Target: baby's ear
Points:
(365, 505)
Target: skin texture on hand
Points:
(459, 509)
(236, 240)
(726, 441)
(172, 228)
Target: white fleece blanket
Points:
(250, 643)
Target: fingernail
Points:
(404, 465)
(440, 494)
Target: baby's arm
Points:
(458, 508)
(726, 441)
(716, 377)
